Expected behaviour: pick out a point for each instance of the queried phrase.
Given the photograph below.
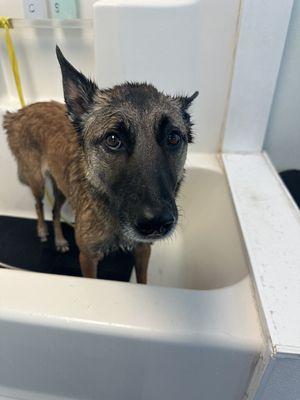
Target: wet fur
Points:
(105, 192)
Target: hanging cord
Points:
(5, 23)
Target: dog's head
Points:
(134, 140)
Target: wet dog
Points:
(117, 155)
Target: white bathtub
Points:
(207, 250)
(75, 338)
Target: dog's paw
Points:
(62, 246)
(42, 232)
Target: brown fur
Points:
(44, 142)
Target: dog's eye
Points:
(173, 139)
(113, 141)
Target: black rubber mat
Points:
(21, 248)
(291, 178)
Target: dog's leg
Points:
(21, 175)
(61, 243)
(89, 263)
(37, 185)
(141, 256)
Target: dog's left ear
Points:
(186, 101)
(78, 90)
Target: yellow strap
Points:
(4, 23)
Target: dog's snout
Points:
(156, 225)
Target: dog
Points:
(117, 155)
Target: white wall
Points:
(283, 133)
(35, 49)
(204, 62)
(179, 48)
(178, 45)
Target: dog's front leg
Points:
(141, 260)
(89, 263)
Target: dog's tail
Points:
(7, 121)
(11, 127)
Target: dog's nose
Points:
(156, 225)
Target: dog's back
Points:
(41, 138)
(29, 126)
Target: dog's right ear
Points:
(78, 90)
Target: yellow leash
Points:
(5, 23)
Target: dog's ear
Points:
(78, 90)
(186, 101)
(184, 104)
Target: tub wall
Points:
(180, 48)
